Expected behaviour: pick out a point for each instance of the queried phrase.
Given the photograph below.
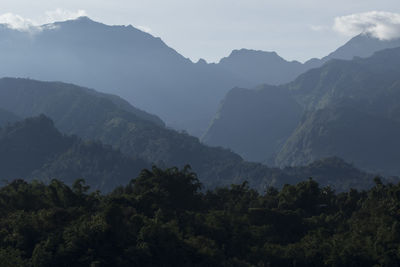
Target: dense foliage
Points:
(163, 219)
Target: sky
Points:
(211, 29)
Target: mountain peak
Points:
(247, 52)
(202, 61)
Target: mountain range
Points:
(346, 108)
(114, 140)
(142, 69)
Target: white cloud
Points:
(17, 22)
(382, 25)
(62, 15)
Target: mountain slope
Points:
(345, 108)
(354, 113)
(121, 60)
(94, 116)
(349, 109)
(243, 124)
(246, 122)
(142, 69)
(35, 149)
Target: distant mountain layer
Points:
(121, 60)
(141, 68)
(260, 67)
(94, 116)
(348, 109)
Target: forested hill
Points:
(94, 116)
(161, 218)
(35, 149)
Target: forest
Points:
(165, 217)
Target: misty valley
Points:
(116, 150)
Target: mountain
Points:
(35, 149)
(142, 69)
(247, 124)
(353, 113)
(95, 116)
(261, 67)
(362, 45)
(121, 60)
(346, 108)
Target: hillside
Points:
(246, 122)
(347, 108)
(145, 71)
(93, 116)
(121, 60)
(35, 149)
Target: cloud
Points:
(379, 24)
(62, 15)
(17, 22)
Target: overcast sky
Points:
(210, 29)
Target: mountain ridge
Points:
(139, 67)
(365, 87)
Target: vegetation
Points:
(162, 218)
(35, 149)
(136, 134)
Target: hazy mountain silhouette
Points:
(142, 69)
(121, 60)
(261, 67)
(348, 109)
(246, 121)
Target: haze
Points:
(211, 29)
